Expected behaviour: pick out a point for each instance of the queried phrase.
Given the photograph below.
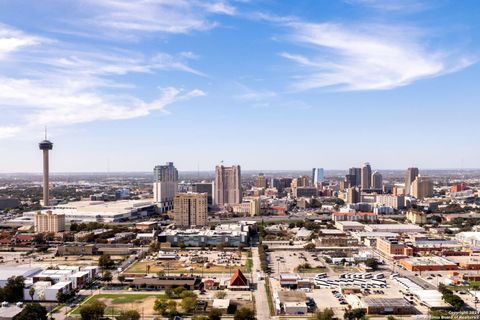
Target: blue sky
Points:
(125, 85)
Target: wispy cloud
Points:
(56, 84)
(165, 16)
(404, 6)
(365, 57)
(12, 40)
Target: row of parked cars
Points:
(339, 296)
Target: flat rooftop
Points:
(429, 261)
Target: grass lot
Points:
(126, 301)
(312, 270)
(470, 285)
(176, 266)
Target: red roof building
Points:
(238, 280)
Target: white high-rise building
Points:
(165, 185)
(318, 176)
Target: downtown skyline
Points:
(263, 84)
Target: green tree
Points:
(354, 314)
(121, 278)
(31, 292)
(215, 314)
(105, 261)
(244, 314)
(129, 315)
(92, 310)
(13, 290)
(372, 263)
(33, 311)
(107, 276)
(325, 314)
(188, 304)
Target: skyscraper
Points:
(355, 177)
(45, 146)
(422, 187)
(377, 180)
(228, 188)
(190, 209)
(410, 176)
(261, 181)
(318, 176)
(366, 176)
(165, 184)
(353, 195)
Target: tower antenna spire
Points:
(45, 132)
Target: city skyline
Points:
(123, 87)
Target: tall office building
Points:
(422, 187)
(366, 176)
(190, 209)
(410, 176)
(204, 187)
(353, 195)
(49, 222)
(318, 176)
(46, 146)
(355, 177)
(260, 181)
(165, 184)
(228, 187)
(377, 181)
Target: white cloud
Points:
(368, 57)
(12, 40)
(407, 6)
(58, 102)
(165, 16)
(57, 84)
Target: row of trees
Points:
(449, 297)
(262, 252)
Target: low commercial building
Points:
(393, 248)
(291, 302)
(378, 305)
(355, 216)
(349, 225)
(428, 264)
(471, 238)
(397, 228)
(100, 211)
(231, 235)
(9, 311)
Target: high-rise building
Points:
(190, 209)
(366, 176)
(228, 188)
(355, 177)
(165, 184)
(422, 187)
(353, 195)
(46, 146)
(260, 181)
(377, 180)
(281, 183)
(204, 187)
(49, 222)
(318, 176)
(410, 176)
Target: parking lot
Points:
(287, 261)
